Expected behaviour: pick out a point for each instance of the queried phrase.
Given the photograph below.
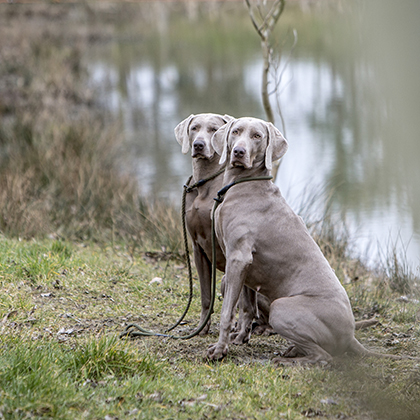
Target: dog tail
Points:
(359, 350)
(361, 325)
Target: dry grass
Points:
(60, 155)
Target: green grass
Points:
(63, 306)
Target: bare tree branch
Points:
(253, 19)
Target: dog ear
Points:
(277, 146)
(220, 138)
(181, 133)
(227, 118)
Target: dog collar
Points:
(201, 182)
(221, 193)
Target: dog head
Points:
(196, 132)
(247, 142)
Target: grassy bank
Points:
(63, 306)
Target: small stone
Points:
(328, 401)
(157, 280)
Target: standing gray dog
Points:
(268, 248)
(195, 132)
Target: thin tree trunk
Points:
(264, 87)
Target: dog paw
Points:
(217, 351)
(239, 338)
(292, 351)
(265, 330)
(284, 361)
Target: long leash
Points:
(141, 332)
(130, 329)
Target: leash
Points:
(129, 330)
(141, 332)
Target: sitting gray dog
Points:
(195, 132)
(269, 249)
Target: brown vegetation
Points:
(60, 157)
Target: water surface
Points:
(349, 95)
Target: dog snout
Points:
(198, 146)
(239, 152)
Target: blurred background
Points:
(345, 89)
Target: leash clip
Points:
(187, 188)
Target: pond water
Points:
(348, 95)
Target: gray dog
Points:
(269, 249)
(195, 132)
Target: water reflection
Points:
(349, 98)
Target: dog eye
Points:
(235, 132)
(213, 129)
(257, 136)
(194, 128)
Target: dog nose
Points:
(239, 152)
(198, 145)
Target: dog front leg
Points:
(203, 266)
(236, 265)
(247, 312)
